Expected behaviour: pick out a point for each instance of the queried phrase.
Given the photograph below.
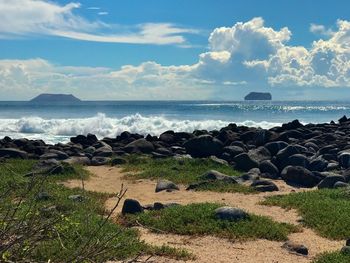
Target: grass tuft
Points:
(327, 210)
(58, 228)
(199, 219)
(183, 171)
(333, 257)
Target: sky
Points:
(175, 49)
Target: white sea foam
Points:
(59, 130)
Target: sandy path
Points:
(211, 249)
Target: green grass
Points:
(199, 219)
(74, 228)
(184, 171)
(334, 257)
(327, 211)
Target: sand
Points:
(211, 249)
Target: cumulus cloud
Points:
(246, 56)
(27, 18)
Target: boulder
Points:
(104, 151)
(139, 146)
(296, 248)
(97, 160)
(165, 185)
(264, 186)
(82, 160)
(131, 206)
(300, 176)
(76, 198)
(330, 180)
(230, 214)
(345, 250)
(275, 147)
(298, 160)
(233, 150)
(244, 162)
(118, 161)
(344, 160)
(340, 185)
(13, 153)
(262, 137)
(203, 146)
(259, 154)
(319, 164)
(160, 206)
(343, 119)
(213, 175)
(48, 167)
(269, 169)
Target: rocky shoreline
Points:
(303, 155)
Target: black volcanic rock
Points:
(55, 98)
(258, 96)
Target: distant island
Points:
(258, 96)
(55, 98)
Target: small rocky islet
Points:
(302, 155)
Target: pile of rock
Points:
(306, 155)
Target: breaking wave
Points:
(59, 130)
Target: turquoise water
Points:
(56, 123)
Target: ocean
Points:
(57, 123)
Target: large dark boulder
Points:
(213, 175)
(298, 160)
(230, 214)
(13, 153)
(300, 176)
(80, 139)
(233, 150)
(330, 180)
(292, 125)
(269, 169)
(99, 160)
(204, 146)
(244, 162)
(165, 185)
(275, 147)
(259, 154)
(283, 155)
(263, 136)
(131, 206)
(139, 146)
(167, 137)
(82, 160)
(296, 248)
(264, 186)
(344, 160)
(343, 119)
(319, 164)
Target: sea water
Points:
(58, 122)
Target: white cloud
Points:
(28, 18)
(247, 56)
(102, 13)
(321, 30)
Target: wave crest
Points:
(59, 130)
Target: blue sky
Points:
(158, 49)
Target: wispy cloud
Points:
(102, 13)
(28, 18)
(94, 8)
(321, 30)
